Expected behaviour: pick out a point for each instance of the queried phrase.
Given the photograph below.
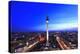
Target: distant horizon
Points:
(76, 30)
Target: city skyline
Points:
(31, 16)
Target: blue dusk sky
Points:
(31, 16)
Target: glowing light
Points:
(60, 26)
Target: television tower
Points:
(47, 33)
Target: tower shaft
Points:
(47, 33)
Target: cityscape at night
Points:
(35, 26)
